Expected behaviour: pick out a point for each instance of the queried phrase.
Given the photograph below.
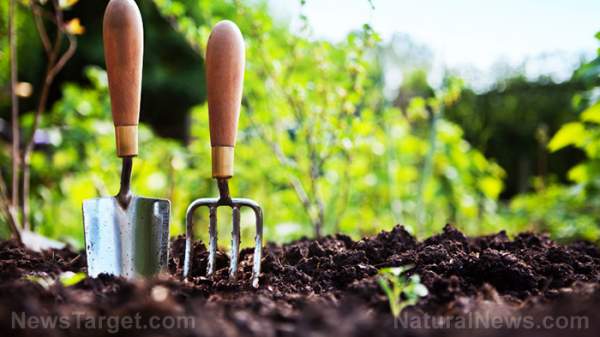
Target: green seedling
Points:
(400, 290)
(66, 279)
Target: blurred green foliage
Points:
(571, 211)
(319, 147)
(327, 147)
(512, 122)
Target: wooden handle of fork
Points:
(225, 60)
(123, 50)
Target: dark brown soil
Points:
(325, 287)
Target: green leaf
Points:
(591, 114)
(69, 278)
(579, 173)
(569, 134)
(490, 186)
(421, 290)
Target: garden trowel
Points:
(125, 235)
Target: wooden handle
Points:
(123, 50)
(225, 59)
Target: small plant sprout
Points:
(400, 290)
(66, 279)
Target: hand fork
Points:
(224, 76)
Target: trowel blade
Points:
(127, 242)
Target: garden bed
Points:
(325, 287)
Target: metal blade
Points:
(126, 242)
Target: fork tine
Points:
(212, 242)
(235, 242)
(189, 233)
(257, 246)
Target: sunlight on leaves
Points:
(569, 134)
(591, 114)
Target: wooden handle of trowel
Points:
(225, 59)
(123, 50)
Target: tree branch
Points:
(39, 24)
(56, 63)
(9, 212)
(16, 137)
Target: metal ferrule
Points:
(127, 140)
(222, 161)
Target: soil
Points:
(325, 287)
